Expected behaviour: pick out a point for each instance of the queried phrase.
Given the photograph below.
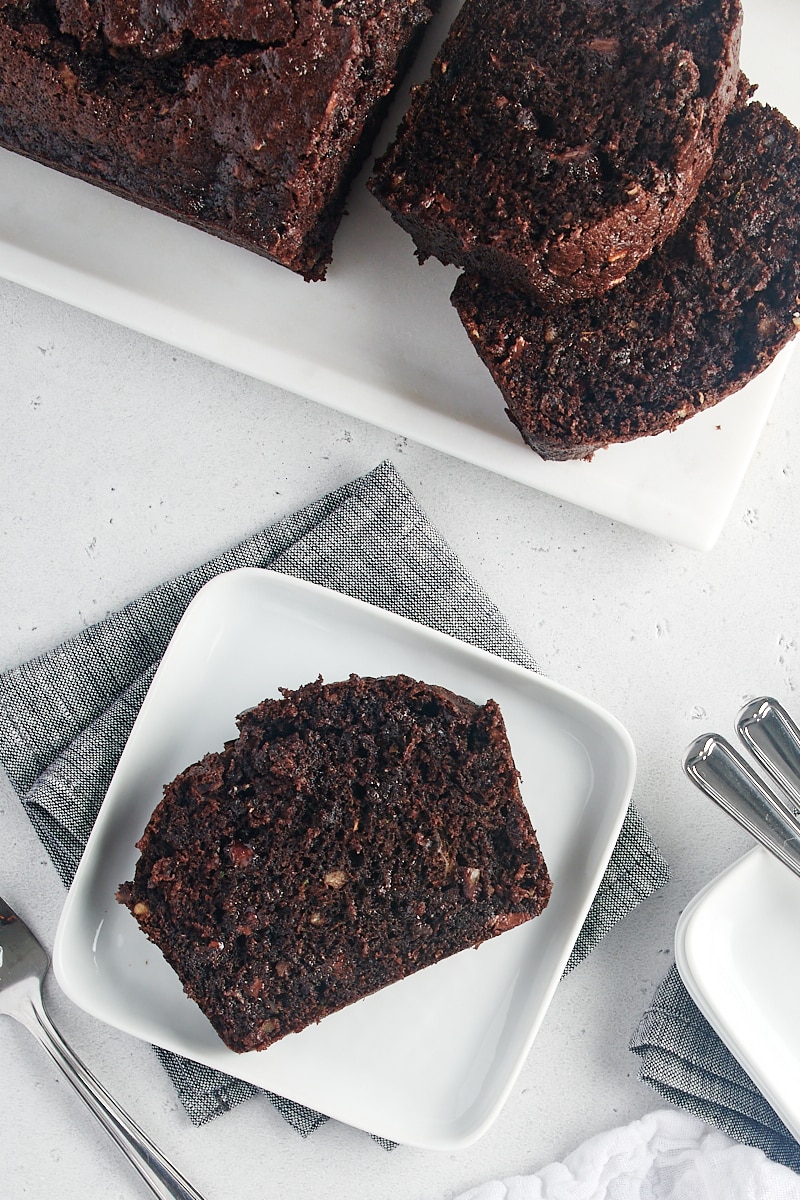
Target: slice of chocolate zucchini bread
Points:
(352, 834)
(248, 120)
(700, 318)
(554, 145)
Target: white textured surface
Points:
(123, 462)
(665, 1155)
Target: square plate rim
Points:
(615, 816)
(684, 933)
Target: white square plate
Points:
(379, 340)
(737, 948)
(427, 1061)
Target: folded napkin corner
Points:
(687, 1063)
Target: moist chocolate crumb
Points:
(352, 834)
(556, 144)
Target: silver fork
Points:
(773, 738)
(23, 966)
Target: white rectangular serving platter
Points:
(428, 1061)
(737, 949)
(379, 339)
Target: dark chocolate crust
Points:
(247, 120)
(352, 834)
(700, 318)
(555, 145)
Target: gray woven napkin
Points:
(65, 716)
(685, 1061)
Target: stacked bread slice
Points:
(627, 216)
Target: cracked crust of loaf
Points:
(246, 120)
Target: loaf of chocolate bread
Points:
(246, 119)
(352, 834)
(706, 313)
(556, 144)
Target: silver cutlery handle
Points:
(723, 775)
(773, 739)
(162, 1179)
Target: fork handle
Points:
(162, 1178)
(715, 767)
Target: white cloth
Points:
(667, 1155)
